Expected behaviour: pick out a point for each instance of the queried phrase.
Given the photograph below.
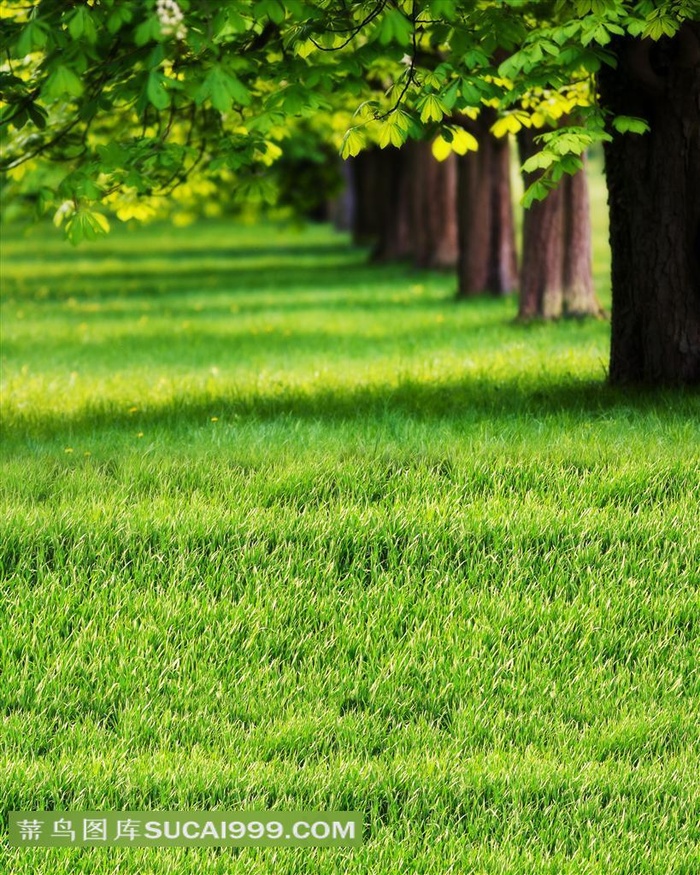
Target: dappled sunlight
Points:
(241, 323)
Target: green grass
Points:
(286, 531)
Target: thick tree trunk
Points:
(654, 197)
(487, 252)
(556, 278)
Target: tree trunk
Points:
(556, 278)
(381, 196)
(541, 278)
(368, 195)
(394, 192)
(578, 291)
(433, 206)
(343, 206)
(654, 197)
(405, 204)
(487, 253)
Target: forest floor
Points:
(286, 531)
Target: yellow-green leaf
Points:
(432, 110)
(101, 220)
(353, 143)
(507, 124)
(305, 48)
(463, 141)
(441, 148)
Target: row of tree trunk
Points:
(458, 214)
(654, 207)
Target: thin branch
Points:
(353, 31)
(410, 73)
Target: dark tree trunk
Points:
(394, 192)
(370, 192)
(654, 197)
(487, 252)
(405, 205)
(343, 206)
(380, 194)
(433, 206)
(556, 278)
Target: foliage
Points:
(136, 96)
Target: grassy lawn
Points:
(285, 531)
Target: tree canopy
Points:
(105, 102)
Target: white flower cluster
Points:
(171, 19)
(67, 208)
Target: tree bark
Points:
(405, 205)
(654, 198)
(433, 206)
(375, 175)
(487, 251)
(556, 278)
(579, 293)
(541, 278)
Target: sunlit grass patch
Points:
(285, 530)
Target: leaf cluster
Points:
(122, 99)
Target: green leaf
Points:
(625, 123)
(538, 191)
(34, 37)
(540, 161)
(219, 95)
(37, 114)
(271, 9)
(402, 120)
(442, 9)
(476, 58)
(305, 48)
(471, 94)
(222, 89)
(86, 225)
(81, 25)
(119, 15)
(257, 190)
(293, 99)
(514, 64)
(146, 31)
(155, 90)
(62, 82)
(449, 95)
(395, 27)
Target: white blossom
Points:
(171, 19)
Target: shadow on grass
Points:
(105, 284)
(466, 401)
(179, 250)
